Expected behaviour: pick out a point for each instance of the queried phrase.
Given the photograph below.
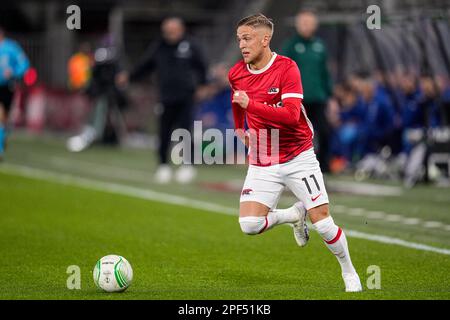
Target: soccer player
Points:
(267, 94)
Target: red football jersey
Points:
(276, 95)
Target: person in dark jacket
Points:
(310, 54)
(180, 67)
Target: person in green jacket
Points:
(310, 54)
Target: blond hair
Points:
(257, 20)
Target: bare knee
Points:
(253, 208)
(319, 213)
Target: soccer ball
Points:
(113, 273)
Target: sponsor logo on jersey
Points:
(246, 191)
(277, 105)
(273, 90)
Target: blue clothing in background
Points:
(346, 140)
(220, 107)
(12, 58)
(2, 139)
(419, 112)
(378, 123)
(354, 113)
(446, 94)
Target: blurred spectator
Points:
(215, 108)
(367, 120)
(79, 67)
(181, 68)
(382, 91)
(387, 89)
(443, 83)
(429, 103)
(351, 118)
(105, 123)
(379, 115)
(13, 65)
(419, 107)
(310, 54)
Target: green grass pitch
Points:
(183, 253)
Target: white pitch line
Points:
(399, 242)
(114, 188)
(146, 194)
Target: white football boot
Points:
(83, 140)
(352, 282)
(301, 232)
(163, 174)
(185, 174)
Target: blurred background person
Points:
(429, 103)
(13, 65)
(420, 109)
(181, 69)
(105, 123)
(310, 54)
(443, 84)
(214, 109)
(378, 115)
(346, 138)
(79, 67)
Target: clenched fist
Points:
(241, 98)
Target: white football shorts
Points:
(302, 175)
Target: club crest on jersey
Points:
(273, 90)
(246, 192)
